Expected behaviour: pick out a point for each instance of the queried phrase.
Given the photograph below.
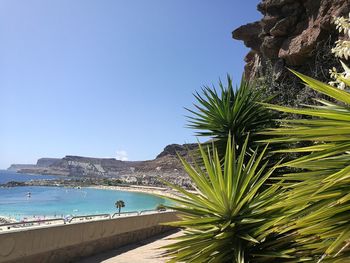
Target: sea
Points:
(50, 202)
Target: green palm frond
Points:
(229, 217)
(328, 129)
(319, 212)
(230, 111)
(320, 193)
(243, 211)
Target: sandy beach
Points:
(40, 221)
(162, 191)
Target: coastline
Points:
(152, 190)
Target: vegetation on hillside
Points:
(245, 211)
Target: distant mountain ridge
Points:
(17, 167)
(46, 162)
(42, 162)
(177, 149)
(166, 163)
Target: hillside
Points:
(166, 164)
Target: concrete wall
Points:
(66, 243)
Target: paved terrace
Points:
(125, 237)
(147, 251)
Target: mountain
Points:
(41, 163)
(165, 164)
(177, 149)
(18, 167)
(46, 162)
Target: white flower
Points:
(341, 50)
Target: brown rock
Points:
(295, 50)
(249, 33)
(292, 9)
(271, 46)
(268, 22)
(283, 26)
(290, 29)
(252, 60)
(272, 6)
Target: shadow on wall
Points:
(68, 243)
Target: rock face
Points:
(289, 32)
(177, 149)
(166, 163)
(46, 162)
(17, 167)
(41, 163)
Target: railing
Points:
(131, 213)
(89, 217)
(17, 225)
(149, 211)
(75, 219)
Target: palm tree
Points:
(230, 112)
(119, 204)
(161, 207)
(236, 216)
(320, 191)
(231, 216)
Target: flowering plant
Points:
(341, 50)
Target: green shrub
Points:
(320, 193)
(229, 218)
(234, 112)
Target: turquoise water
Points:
(61, 201)
(7, 176)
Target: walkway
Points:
(147, 251)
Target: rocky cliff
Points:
(166, 163)
(292, 33)
(46, 162)
(18, 167)
(177, 149)
(41, 163)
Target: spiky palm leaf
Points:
(319, 194)
(230, 112)
(328, 129)
(229, 218)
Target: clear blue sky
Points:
(91, 78)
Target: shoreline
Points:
(152, 190)
(41, 220)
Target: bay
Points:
(8, 176)
(62, 201)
